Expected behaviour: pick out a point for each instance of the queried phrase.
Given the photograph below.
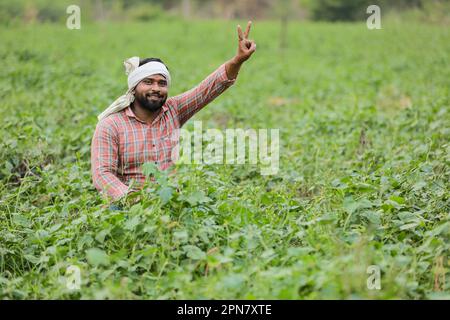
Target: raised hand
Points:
(246, 47)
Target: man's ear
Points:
(132, 96)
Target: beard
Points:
(151, 102)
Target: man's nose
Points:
(155, 87)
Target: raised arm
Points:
(104, 162)
(190, 102)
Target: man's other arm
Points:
(104, 162)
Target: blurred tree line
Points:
(351, 10)
(328, 10)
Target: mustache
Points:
(153, 94)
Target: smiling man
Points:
(137, 127)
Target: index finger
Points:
(247, 31)
(241, 37)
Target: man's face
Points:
(151, 93)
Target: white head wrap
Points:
(135, 75)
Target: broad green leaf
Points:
(408, 226)
(165, 194)
(97, 257)
(132, 223)
(194, 252)
(149, 169)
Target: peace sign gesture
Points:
(246, 47)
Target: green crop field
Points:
(363, 180)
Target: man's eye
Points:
(163, 83)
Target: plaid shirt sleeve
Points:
(192, 101)
(104, 162)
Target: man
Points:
(137, 127)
